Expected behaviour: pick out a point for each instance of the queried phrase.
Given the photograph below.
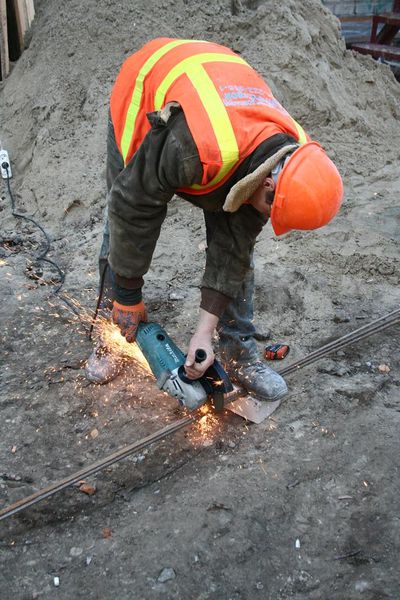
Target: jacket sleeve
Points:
(138, 200)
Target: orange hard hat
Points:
(309, 190)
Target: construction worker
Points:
(193, 118)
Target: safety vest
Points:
(229, 109)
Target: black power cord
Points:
(99, 299)
(43, 256)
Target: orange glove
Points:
(128, 318)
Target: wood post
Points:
(22, 22)
(13, 27)
(5, 61)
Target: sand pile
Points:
(55, 102)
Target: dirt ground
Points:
(306, 504)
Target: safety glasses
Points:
(278, 168)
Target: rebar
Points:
(97, 466)
(355, 336)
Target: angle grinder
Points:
(167, 362)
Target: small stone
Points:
(202, 246)
(87, 489)
(361, 586)
(176, 296)
(384, 369)
(75, 551)
(94, 434)
(231, 444)
(207, 443)
(166, 575)
(259, 585)
(106, 533)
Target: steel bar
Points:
(355, 336)
(97, 466)
(310, 359)
(390, 317)
(328, 350)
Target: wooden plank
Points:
(378, 51)
(21, 20)
(354, 19)
(30, 11)
(388, 18)
(5, 60)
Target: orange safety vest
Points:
(229, 109)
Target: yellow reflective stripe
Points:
(213, 105)
(134, 105)
(220, 123)
(185, 65)
(302, 137)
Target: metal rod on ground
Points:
(308, 361)
(390, 318)
(358, 334)
(97, 466)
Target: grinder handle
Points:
(200, 355)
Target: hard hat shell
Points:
(309, 191)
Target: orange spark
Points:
(111, 337)
(207, 423)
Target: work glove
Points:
(128, 318)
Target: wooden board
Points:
(24, 14)
(5, 61)
(30, 11)
(22, 20)
(378, 51)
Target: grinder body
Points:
(167, 361)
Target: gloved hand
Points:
(128, 318)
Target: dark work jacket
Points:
(166, 161)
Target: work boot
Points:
(102, 365)
(258, 379)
